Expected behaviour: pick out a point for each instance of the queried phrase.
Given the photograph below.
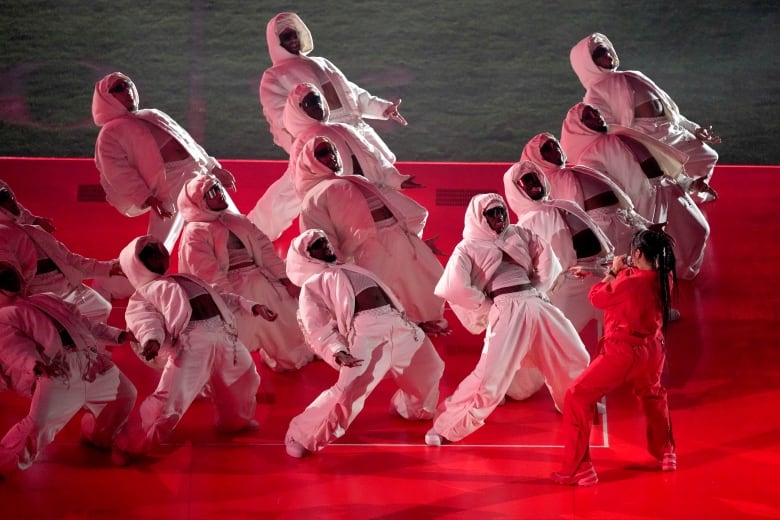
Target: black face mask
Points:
(10, 281)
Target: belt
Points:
(46, 265)
(512, 288)
(248, 263)
(601, 200)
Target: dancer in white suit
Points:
(356, 324)
(145, 157)
(228, 251)
(187, 328)
(649, 171)
(367, 229)
(493, 281)
(50, 354)
(577, 241)
(631, 99)
(601, 197)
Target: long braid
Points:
(658, 248)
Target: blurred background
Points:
(478, 79)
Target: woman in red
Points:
(636, 299)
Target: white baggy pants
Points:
(206, 354)
(525, 336)
(108, 399)
(386, 342)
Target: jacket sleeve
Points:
(144, 320)
(319, 323)
(131, 168)
(88, 267)
(273, 96)
(456, 284)
(269, 258)
(604, 295)
(547, 268)
(197, 255)
(351, 218)
(17, 360)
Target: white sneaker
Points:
(433, 439)
(669, 462)
(295, 448)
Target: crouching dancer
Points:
(189, 329)
(355, 323)
(49, 352)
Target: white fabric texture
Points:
(337, 205)
(288, 70)
(278, 207)
(384, 339)
(612, 93)
(525, 337)
(203, 252)
(546, 219)
(73, 269)
(209, 355)
(129, 160)
(660, 199)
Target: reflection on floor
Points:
(723, 374)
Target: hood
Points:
(519, 201)
(533, 152)
(136, 272)
(309, 171)
(192, 200)
(575, 136)
(105, 106)
(18, 251)
(5, 215)
(475, 225)
(276, 26)
(581, 59)
(300, 265)
(295, 118)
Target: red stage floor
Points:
(724, 379)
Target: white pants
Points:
(688, 226)
(277, 207)
(206, 354)
(526, 336)
(409, 267)
(617, 231)
(89, 302)
(386, 342)
(280, 342)
(701, 157)
(570, 295)
(108, 399)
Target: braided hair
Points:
(658, 248)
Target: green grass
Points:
(478, 79)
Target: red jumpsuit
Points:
(632, 351)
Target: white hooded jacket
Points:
(327, 300)
(610, 90)
(126, 154)
(289, 70)
(476, 258)
(29, 329)
(545, 216)
(160, 309)
(203, 245)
